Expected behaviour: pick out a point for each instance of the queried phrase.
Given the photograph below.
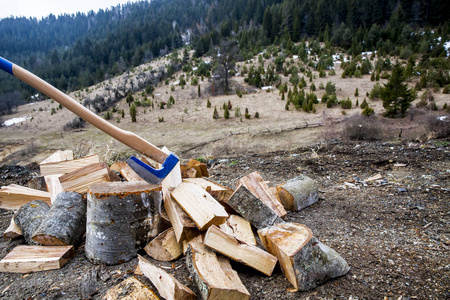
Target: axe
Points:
(146, 172)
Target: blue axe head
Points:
(152, 175)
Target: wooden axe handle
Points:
(128, 138)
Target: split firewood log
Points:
(167, 285)
(67, 166)
(298, 193)
(27, 259)
(304, 260)
(240, 228)
(245, 203)
(164, 247)
(180, 220)
(201, 207)
(119, 217)
(259, 188)
(218, 191)
(213, 274)
(79, 180)
(13, 231)
(29, 217)
(65, 222)
(249, 255)
(130, 289)
(14, 196)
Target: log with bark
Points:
(304, 260)
(26, 259)
(167, 285)
(119, 217)
(65, 222)
(252, 208)
(213, 274)
(298, 193)
(249, 255)
(29, 217)
(201, 207)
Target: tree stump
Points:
(65, 222)
(29, 217)
(119, 216)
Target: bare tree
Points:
(225, 58)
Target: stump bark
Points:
(119, 217)
(29, 217)
(65, 222)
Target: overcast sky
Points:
(43, 8)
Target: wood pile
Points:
(123, 216)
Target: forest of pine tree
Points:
(76, 51)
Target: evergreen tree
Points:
(226, 113)
(133, 112)
(395, 94)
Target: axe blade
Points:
(149, 174)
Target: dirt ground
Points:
(393, 233)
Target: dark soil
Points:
(394, 233)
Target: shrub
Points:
(364, 104)
(247, 115)
(215, 113)
(440, 127)
(257, 115)
(76, 123)
(53, 111)
(375, 93)
(330, 88)
(346, 104)
(237, 111)
(367, 111)
(160, 119)
(208, 104)
(362, 128)
(446, 89)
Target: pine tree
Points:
(133, 112)
(226, 113)
(215, 113)
(395, 94)
(208, 104)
